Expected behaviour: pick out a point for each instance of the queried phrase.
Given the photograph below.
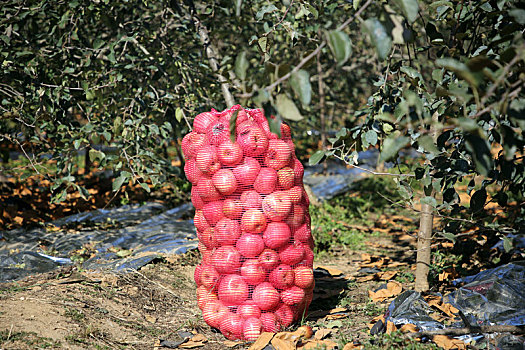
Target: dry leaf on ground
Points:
(331, 270)
(387, 275)
(318, 344)
(283, 344)
(261, 342)
(409, 328)
(322, 333)
(393, 288)
(449, 343)
(351, 346)
(231, 343)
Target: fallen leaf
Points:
(336, 316)
(199, 337)
(393, 288)
(449, 343)
(396, 264)
(366, 278)
(351, 346)
(322, 333)
(261, 342)
(409, 328)
(390, 327)
(374, 321)
(279, 343)
(18, 219)
(332, 271)
(337, 310)
(231, 343)
(387, 275)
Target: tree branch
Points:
(311, 55)
(469, 330)
(213, 57)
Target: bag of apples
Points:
(252, 221)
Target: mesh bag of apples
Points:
(252, 221)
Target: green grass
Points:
(332, 221)
(30, 338)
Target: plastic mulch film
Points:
(491, 297)
(147, 231)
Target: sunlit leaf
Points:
(392, 145)
(241, 65)
(378, 36)
(410, 9)
(300, 83)
(316, 157)
(287, 108)
(340, 45)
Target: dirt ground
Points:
(72, 309)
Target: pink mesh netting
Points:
(253, 224)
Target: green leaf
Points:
(507, 244)
(340, 45)
(479, 148)
(287, 108)
(428, 144)
(316, 157)
(96, 155)
(59, 197)
(478, 199)
(145, 187)
(410, 9)
(450, 236)
(518, 14)
(241, 65)
(411, 72)
(392, 145)
(356, 4)
(300, 83)
(266, 9)
(98, 43)
(117, 183)
(378, 36)
(233, 125)
(178, 114)
(371, 137)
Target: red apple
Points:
(197, 275)
(196, 199)
(208, 238)
(298, 169)
(278, 154)
(213, 212)
(265, 296)
(252, 271)
(284, 315)
(232, 208)
(191, 143)
(247, 172)
(226, 259)
(269, 259)
(205, 253)
(204, 296)
(282, 276)
(304, 277)
(296, 217)
(303, 233)
(251, 329)
(203, 121)
(233, 290)
(286, 132)
(252, 139)
(207, 160)
(292, 254)
(248, 310)
(253, 221)
(276, 235)
(207, 190)
(286, 178)
(266, 181)
(227, 231)
(308, 257)
(218, 132)
(200, 221)
(224, 181)
(305, 200)
(295, 194)
(231, 326)
(277, 206)
(209, 277)
(193, 174)
(214, 312)
(229, 153)
(251, 199)
(293, 296)
(270, 323)
(250, 245)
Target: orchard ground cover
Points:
(363, 241)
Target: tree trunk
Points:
(424, 238)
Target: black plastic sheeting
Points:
(148, 231)
(491, 297)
